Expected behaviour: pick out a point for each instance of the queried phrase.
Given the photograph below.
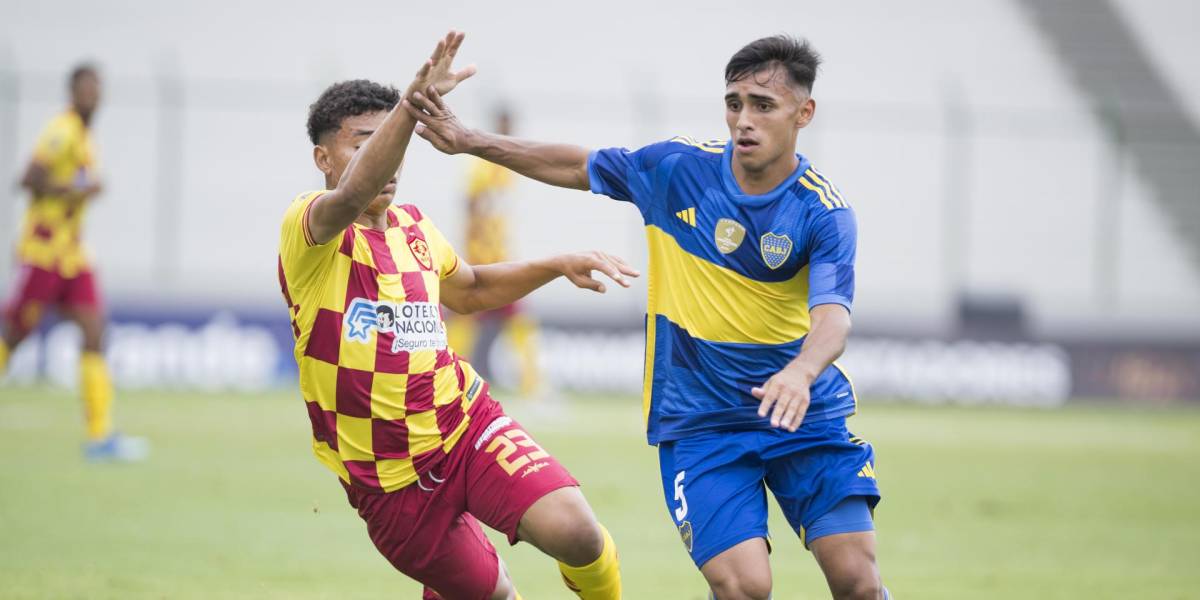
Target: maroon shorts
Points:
(430, 530)
(37, 288)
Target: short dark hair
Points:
(80, 71)
(796, 56)
(346, 99)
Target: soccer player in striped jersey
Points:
(751, 282)
(55, 271)
(420, 447)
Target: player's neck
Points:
(754, 183)
(85, 117)
(379, 221)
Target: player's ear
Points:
(808, 109)
(321, 159)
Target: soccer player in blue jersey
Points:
(751, 282)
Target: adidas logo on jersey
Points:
(688, 215)
(867, 471)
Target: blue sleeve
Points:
(831, 258)
(630, 176)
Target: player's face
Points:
(336, 150)
(85, 94)
(764, 112)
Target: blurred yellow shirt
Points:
(51, 234)
(487, 223)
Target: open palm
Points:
(437, 71)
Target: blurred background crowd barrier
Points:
(1028, 204)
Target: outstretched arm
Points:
(484, 287)
(788, 391)
(561, 165)
(379, 158)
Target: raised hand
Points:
(578, 268)
(436, 71)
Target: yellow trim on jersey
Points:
(648, 368)
(707, 146)
(853, 393)
(819, 191)
(720, 305)
(824, 182)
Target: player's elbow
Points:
(464, 302)
(460, 306)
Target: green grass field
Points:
(1096, 502)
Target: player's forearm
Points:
(824, 344)
(372, 167)
(561, 165)
(501, 284)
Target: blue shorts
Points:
(715, 484)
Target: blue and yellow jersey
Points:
(732, 278)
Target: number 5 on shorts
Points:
(515, 441)
(681, 512)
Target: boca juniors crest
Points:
(685, 534)
(775, 249)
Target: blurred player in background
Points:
(751, 281)
(488, 189)
(55, 271)
(420, 447)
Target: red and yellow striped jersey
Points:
(387, 397)
(487, 223)
(52, 231)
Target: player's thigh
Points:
(507, 472)
(562, 525)
(34, 291)
(811, 471)
(81, 303)
(428, 537)
(713, 487)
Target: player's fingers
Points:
(436, 98)
(757, 392)
(590, 283)
(424, 70)
(625, 267)
(606, 266)
(424, 103)
(782, 403)
(791, 416)
(767, 398)
(440, 49)
(421, 116)
(456, 39)
(466, 72)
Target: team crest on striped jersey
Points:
(420, 251)
(728, 235)
(775, 249)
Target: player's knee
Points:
(741, 586)
(863, 586)
(580, 541)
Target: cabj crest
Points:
(775, 249)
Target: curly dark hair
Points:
(346, 99)
(796, 56)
